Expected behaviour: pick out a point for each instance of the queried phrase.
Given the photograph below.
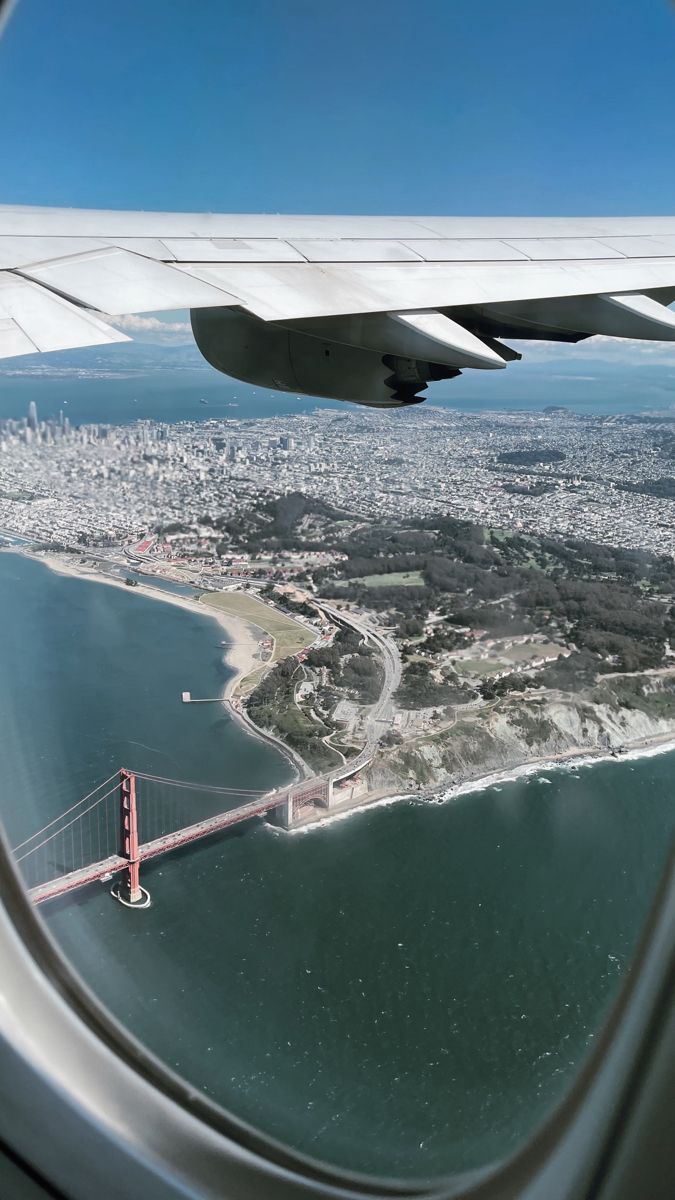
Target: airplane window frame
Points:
(79, 1092)
(80, 1079)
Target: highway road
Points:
(381, 713)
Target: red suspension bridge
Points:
(132, 817)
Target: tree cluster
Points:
(271, 706)
(418, 689)
(531, 457)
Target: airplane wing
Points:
(425, 290)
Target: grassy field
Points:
(395, 579)
(523, 654)
(250, 682)
(480, 666)
(289, 635)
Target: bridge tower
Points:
(299, 800)
(129, 891)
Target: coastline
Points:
(571, 760)
(646, 747)
(241, 657)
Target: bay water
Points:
(202, 395)
(406, 991)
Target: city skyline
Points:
(109, 485)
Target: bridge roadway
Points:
(160, 845)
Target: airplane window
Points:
(337, 645)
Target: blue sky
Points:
(438, 106)
(373, 106)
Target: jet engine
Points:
(380, 360)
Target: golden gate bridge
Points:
(134, 816)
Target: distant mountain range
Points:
(126, 357)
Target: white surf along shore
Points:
(241, 655)
(570, 761)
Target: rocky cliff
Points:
(518, 730)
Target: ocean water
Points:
(407, 991)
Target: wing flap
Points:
(32, 318)
(117, 281)
(13, 340)
(280, 291)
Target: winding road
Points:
(381, 711)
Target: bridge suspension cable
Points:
(60, 817)
(62, 829)
(199, 787)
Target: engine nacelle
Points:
(283, 359)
